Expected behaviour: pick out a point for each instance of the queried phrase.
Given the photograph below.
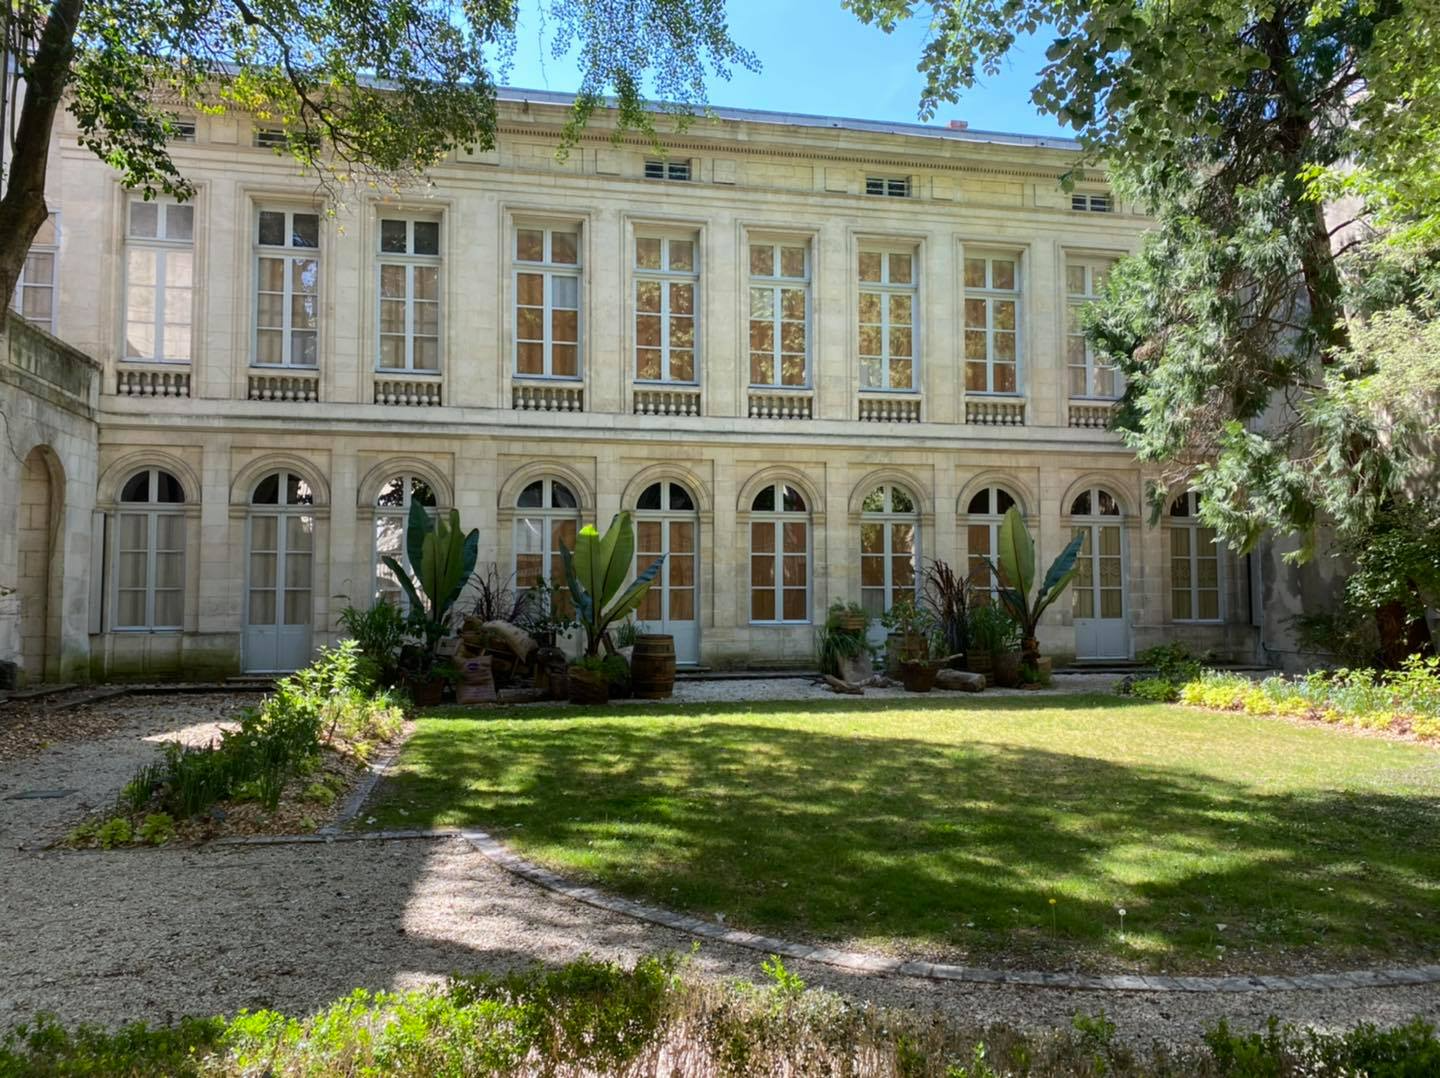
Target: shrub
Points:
(594, 1017)
(1159, 689)
(319, 793)
(380, 633)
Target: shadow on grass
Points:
(951, 849)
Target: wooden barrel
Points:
(652, 667)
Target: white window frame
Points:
(150, 510)
(288, 253)
(775, 283)
(162, 246)
(410, 261)
(679, 171)
(887, 518)
(888, 186)
(777, 519)
(1190, 522)
(991, 521)
(664, 277)
(990, 296)
(401, 514)
(1090, 265)
(887, 288)
(549, 271)
(547, 515)
(26, 282)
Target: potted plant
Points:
(442, 559)
(915, 626)
(944, 596)
(843, 640)
(987, 626)
(1016, 573)
(587, 681)
(595, 572)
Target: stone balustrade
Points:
(889, 408)
(64, 369)
(995, 411)
(782, 403)
(416, 391)
(667, 400)
(1091, 415)
(298, 386)
(152, 381)
(547, 396)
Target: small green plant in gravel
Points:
(318, 793)
(157, 829)
(115, 831)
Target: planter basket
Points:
(426, 693)
(979, 662)
(919, 675)
(588, 687)
(851, 623)
(1007, 669)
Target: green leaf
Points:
(630, 601)
(1017, 551)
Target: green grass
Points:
(945, 829)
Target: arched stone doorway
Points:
(42, 493)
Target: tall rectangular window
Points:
(779, 314)
(547, 302)
(159, 281)
(992, 319)
(887, 320)
(287, 289)
(34, 298)
(667, 281)
(1194, 563)
(409, 295)
(1084, 282)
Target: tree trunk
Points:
(23, 209)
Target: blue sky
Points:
(818, 58)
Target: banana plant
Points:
(1016, 576)
(442, 559)
(595, 572)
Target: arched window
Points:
(392, 512)
(984, 512)
(779, 555)
(1194, 563)
(1099, 587)
(150, 552)
(666, 523)
(279, 608)
(889, 547)
(549, 515)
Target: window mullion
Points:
(547, 295)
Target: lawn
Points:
(946, 829)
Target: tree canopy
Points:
(360, 89)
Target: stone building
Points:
(809, 353)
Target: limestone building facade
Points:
(811, 354)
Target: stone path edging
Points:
(868, 964)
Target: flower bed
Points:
(1404, 703)
(283, 769)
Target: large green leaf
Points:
(617, 551)
(587, 560)
(634, 593)
(1059, 575)
(1017, 552)
(417, 526)
(1060, 586)
(584, 604)
(416, 601)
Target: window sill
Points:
(780, 624)
(401, 372)
(141, 361)
(562, 379)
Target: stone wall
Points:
(48, 397)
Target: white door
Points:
(671, 606)
(279, 617)
(1102, 630)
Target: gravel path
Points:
(155, 934)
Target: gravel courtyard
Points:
(155, 934)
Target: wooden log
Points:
(836, 685)
(960, 681)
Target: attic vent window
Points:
(182, 129)
(1092, 203)
(269, 138)
(657, 169)
(891, 186)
